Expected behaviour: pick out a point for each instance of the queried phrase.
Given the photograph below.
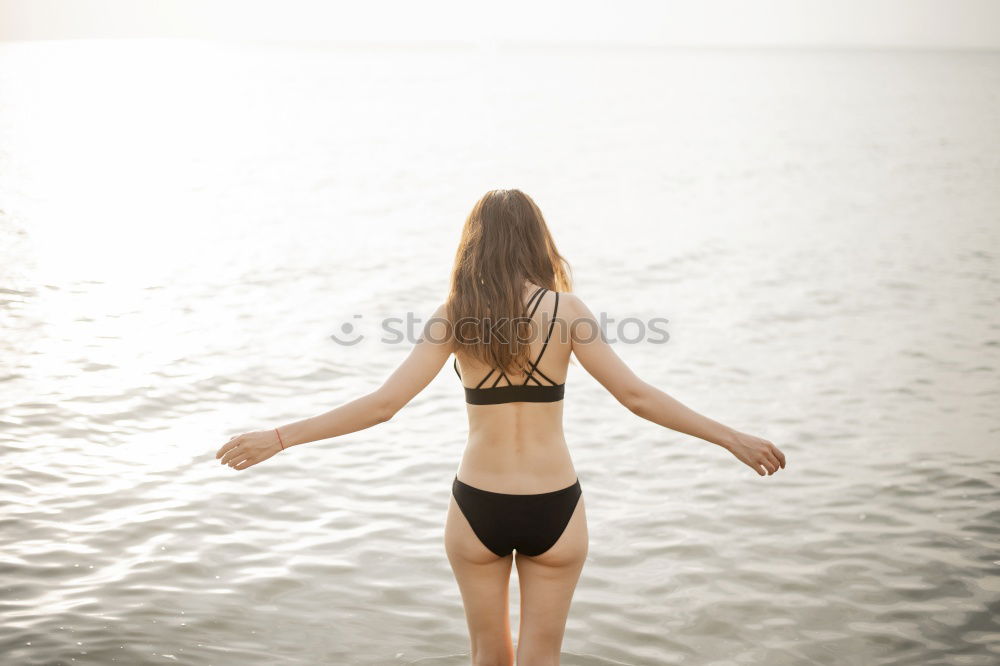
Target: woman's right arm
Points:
(600, 360)
(423, 363)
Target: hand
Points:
(248, 449)
(761, 455)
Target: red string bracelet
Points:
(279, 439)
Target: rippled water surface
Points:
(185, 224)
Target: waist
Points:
(517, 464)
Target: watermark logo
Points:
(348, 335)
(410, 328)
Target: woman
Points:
(512, 323)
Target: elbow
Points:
(637, 407)
(383, 408)
(635, 399)
(385, 413)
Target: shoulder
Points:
(571, 305)
(437, 326)
(573, 310)
(441, 311)
(582, 324)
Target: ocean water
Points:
(185, 224)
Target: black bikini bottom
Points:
(529, 524)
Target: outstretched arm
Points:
(410, 378)
(600, 360)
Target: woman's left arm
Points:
(422, 364)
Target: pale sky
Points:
(907, 23)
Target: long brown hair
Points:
(505, 244)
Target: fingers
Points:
(764, 462)
(243, 464)
(234, 454)
(231, 454)
(243, 451)
(234, 441)
(756, 464)
(772, 454)
(771, 462)
(234, 457)
(778, 454)
(761, 456)
(239, 460)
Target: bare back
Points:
(519, 447)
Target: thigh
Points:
(483, 580)
(547, 583)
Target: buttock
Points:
(504, 522)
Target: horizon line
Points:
(519, 43)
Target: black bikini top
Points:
(497, 395)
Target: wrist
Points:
(728, 438)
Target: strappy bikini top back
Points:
(495, 394)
